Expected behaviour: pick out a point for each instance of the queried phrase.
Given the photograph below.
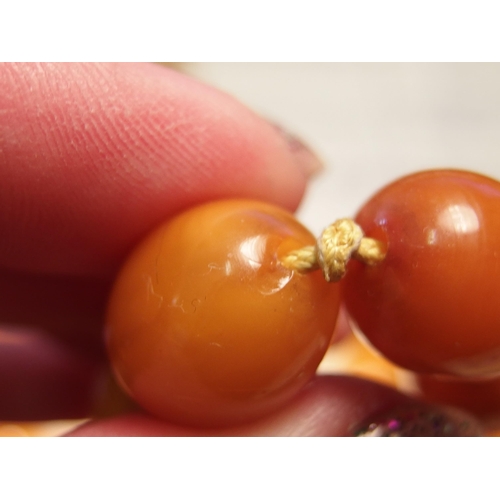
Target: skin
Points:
(92, 157)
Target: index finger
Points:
(94, 156)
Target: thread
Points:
(338, 243)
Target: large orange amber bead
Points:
(205, 325)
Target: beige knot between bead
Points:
(336, 245)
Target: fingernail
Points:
(418, 421)
(307, 161)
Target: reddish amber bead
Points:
(481, 397)
(207, 327)
(433, 304)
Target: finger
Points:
(91, 158)
(329, 406)
(94, 156)
(69, 308)
(55, 382)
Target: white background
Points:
(372, 122)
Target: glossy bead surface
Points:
(206, 327)
(433, 304)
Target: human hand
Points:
(92, 157)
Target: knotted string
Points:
(338, 243)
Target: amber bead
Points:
(480, 397)
(206, 326)
(433, 304)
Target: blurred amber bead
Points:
(205, 325)
(481, 397)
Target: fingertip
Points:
(308, 162)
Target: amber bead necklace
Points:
(217, 317)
